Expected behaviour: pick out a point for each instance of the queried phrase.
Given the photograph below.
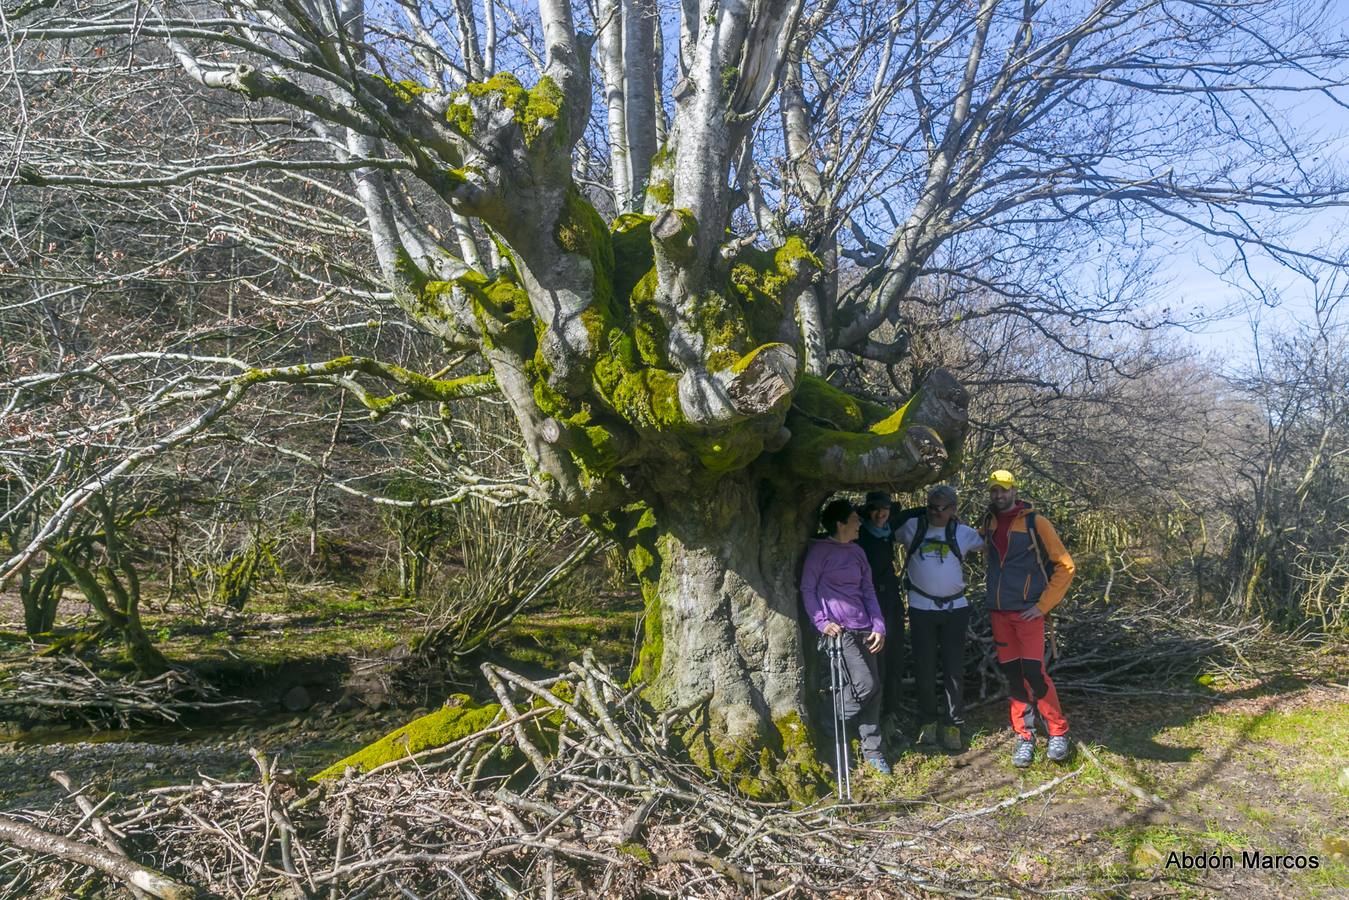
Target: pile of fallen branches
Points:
(570, 790)
(67, 688)
(1114, 648)
(1142, 647)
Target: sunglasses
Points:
(937, 509)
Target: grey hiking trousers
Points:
(861, 688)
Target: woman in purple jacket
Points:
(840, 599)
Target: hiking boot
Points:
(928, 734)
(1058, 747)
(1024, 754)
(879, 764)
(950, 738)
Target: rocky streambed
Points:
(134, 759)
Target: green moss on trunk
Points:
(830, 407)
(538, 110)
(781, 765)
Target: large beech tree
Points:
(666, 233)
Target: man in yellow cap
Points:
(1029, 571)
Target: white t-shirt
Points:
(934, 568)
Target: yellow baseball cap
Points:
(1003, 479)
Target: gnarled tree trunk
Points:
(723, 626)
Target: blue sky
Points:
(1198, 272)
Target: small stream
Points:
(128, 760)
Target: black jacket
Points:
(881, 557)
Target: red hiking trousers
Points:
(1021, 654)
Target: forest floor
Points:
(1215, 767)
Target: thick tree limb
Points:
(154, 883)
(840, 440)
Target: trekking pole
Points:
(837, 675)
(831, 647)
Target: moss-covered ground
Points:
(338, 647)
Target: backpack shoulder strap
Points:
(951, 539)
(1033, 532)
(919, 532)
(900, 516)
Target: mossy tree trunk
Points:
(41, 594)
(722, 631)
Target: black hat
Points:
(877, 500)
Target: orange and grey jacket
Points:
(1018, 580)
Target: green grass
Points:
(1255, 814)
(1332, 877)
(911, 777)
(1304, 746)
(552, 640)
(1149, 846)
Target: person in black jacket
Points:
(877, 538)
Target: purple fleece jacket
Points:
(836, 587)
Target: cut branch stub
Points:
(942, 404)
(839, 439)
(761, 380)
(674, 231)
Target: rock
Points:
(297, 699)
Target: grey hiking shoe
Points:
(879, 764)
(928, 734)
(1024, 754)
(950, 737)
(1058, 747)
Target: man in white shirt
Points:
(939, 614)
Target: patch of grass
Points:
(1304, 746)
(1255, 814)
(552, 640)
(1150, 846)
(1331, 878)
(911, 777)
(1321, 736)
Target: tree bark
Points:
(718, 565)
(639, 93)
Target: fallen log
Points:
(154, 883)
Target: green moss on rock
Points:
(444, 726)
